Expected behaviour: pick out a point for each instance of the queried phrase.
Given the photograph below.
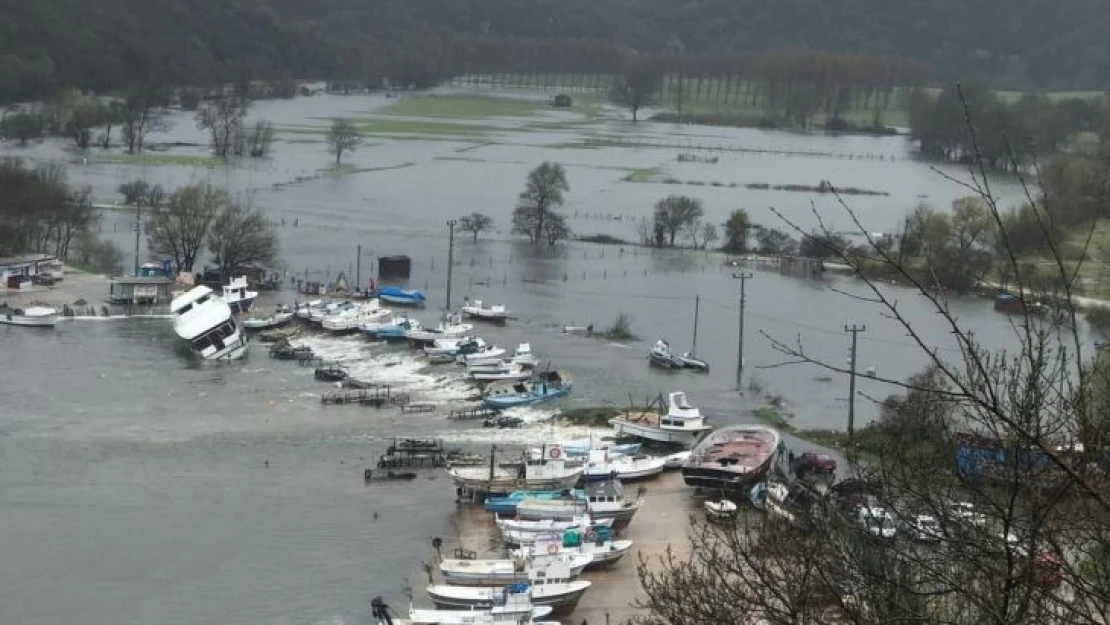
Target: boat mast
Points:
(697, 303)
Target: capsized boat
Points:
(547, 473)
(401, 297)
(601, 547)
(543, 386)
(280, 317)
(32, 316)
(553, 588)
(238, 297)
(661, 356)
(732, 457)
(464, 572)
(207, 326)
(493, 314)
(683, 424)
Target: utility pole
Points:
(358, 268)
(855, 330)
(450, 258)
(743, 278)
(138, 232)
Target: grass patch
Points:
(150, 158)
(468, 107)
(641, 175)
(773, 417)
(591, 416)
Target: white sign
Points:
(145, 290)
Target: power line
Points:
(855, 330)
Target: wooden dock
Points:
(473, 414)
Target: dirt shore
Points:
(76, 286)
(661, 522)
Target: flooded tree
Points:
(260, 139)
(242, 237)
(476, 223)
(142, 112)
(676, 213)
(738, 229)
(179, 227)
(22, 126)
(222, 116)
(774, 242)
(343, 136)
(980, 497)
(639, 85)
(543, 192)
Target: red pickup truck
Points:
(812, 462)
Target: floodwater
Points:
(138, 486)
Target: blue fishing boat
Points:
(400, 297)
(580, 449)
(506, 505)
(545, 386)
(397, 331)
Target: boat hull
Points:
(561, 603)
(397, 300)
(241, 306)
(509, 401)
(45, 321)
(717, 479)
(628, 428)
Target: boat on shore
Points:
(546, 473)
(401, 297)
(279, 318)
(602, 502)
(683, 424)
(511, 605)
(720, 510)
(661, 356)
(32, 316)
(492, 314)
(601, 465)
(527, 537)
(506, 505)
(603, 550)
(205, 323)
(581, 448)
(553, 588)
(543, 386)
(499, 572)
(732, 457)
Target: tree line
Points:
(117, 43)
(41, 212)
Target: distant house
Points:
(561, 101)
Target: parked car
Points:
(812, 462)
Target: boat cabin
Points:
(681, 415)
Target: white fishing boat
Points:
(529, 536)
(604, 551)
(683, 423)
(603, 502)
(510, 605)
(720, 510)
(463, 572)
(206, 324)
(304, 310)
(513, 372)
(554, 587)
(491, 352)
(521, 356)
(352, 319)
(453, 346)
(494, 314)
(449, 328)
(32, 316)
(637, 467)
(676, 460)
(237, 295)
(387, 323)
(547, 526)
(279, 318)
(546, 473)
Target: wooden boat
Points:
(732, 457)
(33, 316)
(683, 423)
(492, 314)
(464, 572)
(544, 386)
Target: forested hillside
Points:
(45, 44)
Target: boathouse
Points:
(140, 290)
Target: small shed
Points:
(561, 101)
(394, 268)
(140, 290)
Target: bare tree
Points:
(142, 112)
(260, 139)
(639, 85)
(222, 116)
(709, 235)
(1003, 453)
(179, 227)
(676, 213)
(134, 192)
(240, 237)
(343, 136)
(476, 223)
(543, 192)
(555, 228)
